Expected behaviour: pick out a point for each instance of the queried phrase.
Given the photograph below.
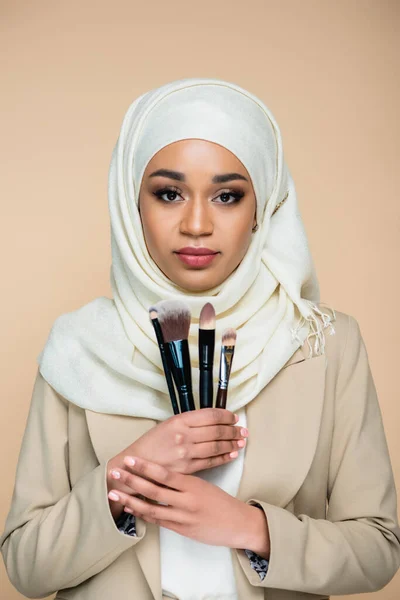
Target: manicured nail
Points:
(236, 418)
(241, 443)
(128, 510)
(244, 432)
(113, 496)
(115, 474)
(131, 461)
(234, 454)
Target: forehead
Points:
(195, 153)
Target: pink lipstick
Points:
(196, 256)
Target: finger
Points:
(217, 432)
(148, 489)
(155, 472)
(209, 416)
(215, 448)
(146, 510)
(199, 464)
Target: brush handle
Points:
(187, 401)
(181, 371)
(206, 362)
(222, 395)
(206, 389)
(166, 362)
(225, 365)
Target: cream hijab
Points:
(104, 356)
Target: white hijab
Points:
(104, 356)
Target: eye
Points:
(169, 192)
(237, 196)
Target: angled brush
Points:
(174, 318)
(164, 351)
(227, 352)
(206, 354)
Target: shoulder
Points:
(343, 339)
(77, 340)
(70, 328)
(95, 310)
(347, 361)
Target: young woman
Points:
(287, 493)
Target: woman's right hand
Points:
(188, 442)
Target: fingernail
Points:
(244, 432)
(234, 454)
(130, 460)
(113, 496)
(115, 474)
(241, 443)
(236, 418)
(128, 510)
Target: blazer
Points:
(316, 462)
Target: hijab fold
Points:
(104, 356)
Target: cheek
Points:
(238, 236)
(154, 230)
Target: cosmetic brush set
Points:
(171, 321)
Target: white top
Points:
(191, 570)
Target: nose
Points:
(197, 218)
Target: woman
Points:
(288, 492)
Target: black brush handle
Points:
(206, 363)
(206, 389)
(221, 398)
(181, 371)
(166, 362)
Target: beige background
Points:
(327, 70)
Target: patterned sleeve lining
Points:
(258, 563)
(126, 524)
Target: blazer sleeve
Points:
(55, 535)
(356, 549)
(126, 523)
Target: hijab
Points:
(104, 356)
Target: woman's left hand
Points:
(196, 508)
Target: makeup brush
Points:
(206, 354)
(164, 357)
(174, 318)
(227, 352)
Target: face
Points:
(198, 208)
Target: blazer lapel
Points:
(284, 422)
(109, 435)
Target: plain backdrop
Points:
(329, 72)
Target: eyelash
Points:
(159, 193)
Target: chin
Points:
(198, 284)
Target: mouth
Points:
(196, 257)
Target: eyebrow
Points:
(223, 178)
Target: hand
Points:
(195, 508)
(185, 443)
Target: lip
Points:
(196, 256)
(196, 251)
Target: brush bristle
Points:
(153, 312)
(174, 318)
(229, 337)
(207, 317)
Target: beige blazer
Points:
(316, 460)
